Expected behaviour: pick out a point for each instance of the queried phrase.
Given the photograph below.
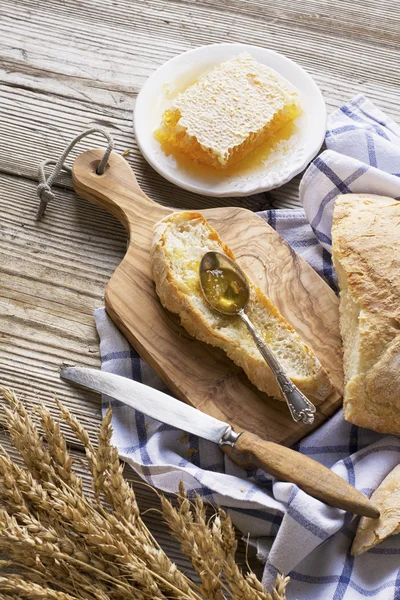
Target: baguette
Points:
(366, 257)
(386, 498)
(179, 242)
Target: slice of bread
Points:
(366, 257)
(179, 242)
(386, 498)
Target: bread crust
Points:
(366, 256)
(316, 387)
(386, 498)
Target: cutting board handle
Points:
(117, 190)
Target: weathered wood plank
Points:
(332, 41)
(52, 277)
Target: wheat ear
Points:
(64, 545)
(27, 440)
(21, 588)
(58, 449)
(196, 542)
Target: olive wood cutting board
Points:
(194, 371)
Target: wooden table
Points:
(68, 65)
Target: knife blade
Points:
(247, 448)
(151, 402)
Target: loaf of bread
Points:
(179, 242)
(366, 257)
(386, 498)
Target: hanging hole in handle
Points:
(94, 168)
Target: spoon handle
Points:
(300, 407)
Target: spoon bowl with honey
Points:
(226, 289)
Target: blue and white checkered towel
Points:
(295, 533)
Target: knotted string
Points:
(44, 188)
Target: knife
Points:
(279, 461)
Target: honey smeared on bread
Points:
(179, 243)
(227, 114)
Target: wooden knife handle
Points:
(312, 477)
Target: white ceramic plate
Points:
(288, 159)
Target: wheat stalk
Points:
(107, 474)
(102, 458)
(211, 550)
(27, 440)
(62, 544)
(25, 589)
(196, 542)
(58, 449)
(10, 494)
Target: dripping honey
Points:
(250, 163)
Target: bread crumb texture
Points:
(179, 243)
(222, 117)
(366, 257)
(386, 498)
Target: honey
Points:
(224, 289)
(249, 164)
(226, 115)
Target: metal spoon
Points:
(214, 268)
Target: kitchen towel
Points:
(294, 533)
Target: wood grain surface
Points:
(66, 66)
(194, 371)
